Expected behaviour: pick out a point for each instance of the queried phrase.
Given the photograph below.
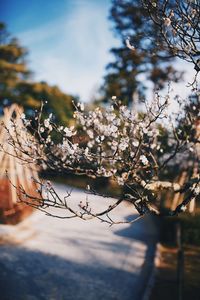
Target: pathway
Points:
(52, 259)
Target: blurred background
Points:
(78, 48)
(59, 51)
(64, 44)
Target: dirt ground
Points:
(165, 286)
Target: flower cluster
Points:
(179, 25)
(137, 150)
(114, 142)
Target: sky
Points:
(69, 42)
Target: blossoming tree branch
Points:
(143, 152)
(179, 24)
(118, 143)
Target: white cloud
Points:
(72, 52)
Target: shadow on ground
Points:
(148, 234)
(28, 275)
(35, 275)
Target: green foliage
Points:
(191, 229)
(57, 102)
(148, 57)
(16, 85)
(189, 124)
(13, 69)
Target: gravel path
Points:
(53, 259)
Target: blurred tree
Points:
(179, 25)
(13, 69)
(59, 103)
(16, 85)
(140, 53)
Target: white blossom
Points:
(135, 143)
(128, 44)
(90, 144)
(46, 123)
(88, 187)
(68, 132)
(90, 133)
(101, 171)
(197, 190)
(167, 22)
(124, 143)
(81, 106)
(48, 140)
(86, 151)
(183, 207)
(23, 116)
(144, 160)
(120, 180)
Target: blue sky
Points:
(68, 40)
